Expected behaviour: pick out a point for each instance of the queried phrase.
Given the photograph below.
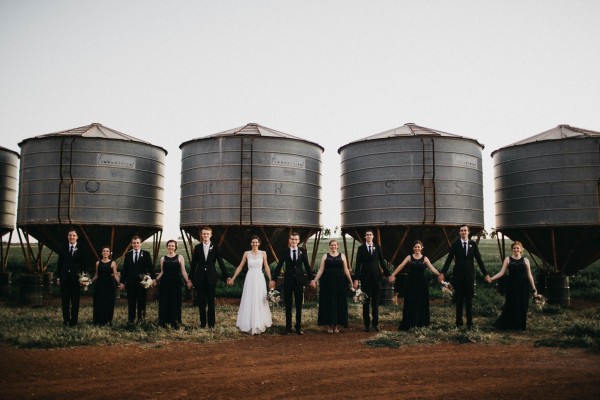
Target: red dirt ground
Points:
(316, 365)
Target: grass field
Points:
(40, 327)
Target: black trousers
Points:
(205, 293)
(69, 296)
(136, 301)
(463, 297)
(372, 290)
(297, 292)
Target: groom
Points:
(294, 280)
(204, 276)
(463, 251)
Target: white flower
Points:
(359, 296)
(540, 302)
(273, 297)
(146, 282)
(85, 280)
(447, 290)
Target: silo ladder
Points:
(246, 181)
(65, 190)
(428, 180)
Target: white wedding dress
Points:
(254, 315)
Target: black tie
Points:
(465, 247)
(135, 257)
(293, 255)
(71, 251)
(370, 250)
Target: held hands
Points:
(391, 278)
(488, 279)
(313, 284)
(189, 285)
(230, 281)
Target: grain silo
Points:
(251, 180)
(411, 183)
(107, 184)
(547, 191)
(9, 168)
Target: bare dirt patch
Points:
(316, 365)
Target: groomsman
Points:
(463, 251)
(370, 267)
(137, 264)
(203, 272)
(294, 280)
(68, 269)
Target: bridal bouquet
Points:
(447, 290)
(85, 281)
(146, 282)
(359, 296)
(539, 301)
(273, 297)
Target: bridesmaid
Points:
(514, 312)
(335, 278)
(172, 268)
(104, 289)
(415, 312)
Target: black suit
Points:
(133, 273)
(370, 268)
(68, 268)
(204, 277)
(294, 280)
(463, 277)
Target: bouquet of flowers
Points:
(539, 301)
(447, 290)
(359, 296)
(85, 281)
(146, 282)
(273, 297)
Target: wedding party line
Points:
(335, 278)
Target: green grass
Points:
(561, 327)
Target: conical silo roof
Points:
(94, 130)
(252, 129)
(408, 130)
(558, 133)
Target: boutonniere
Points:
(210, 248)
(299, 252)
(74, 249)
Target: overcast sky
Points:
(330, 72)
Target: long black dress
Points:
(415, 312)
(169, 295)
(104, 295)
(514, 312)
(333, 303)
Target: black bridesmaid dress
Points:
(333, 302)
(415, 312)
(514, 312)
(104, 295)
(169, 295)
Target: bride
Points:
(254, 315)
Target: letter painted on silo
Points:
(389, 186)
(278, 187)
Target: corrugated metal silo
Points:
(107, 184)
(548, 196)
(9, 169)
(251, 180)
(412, 183)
